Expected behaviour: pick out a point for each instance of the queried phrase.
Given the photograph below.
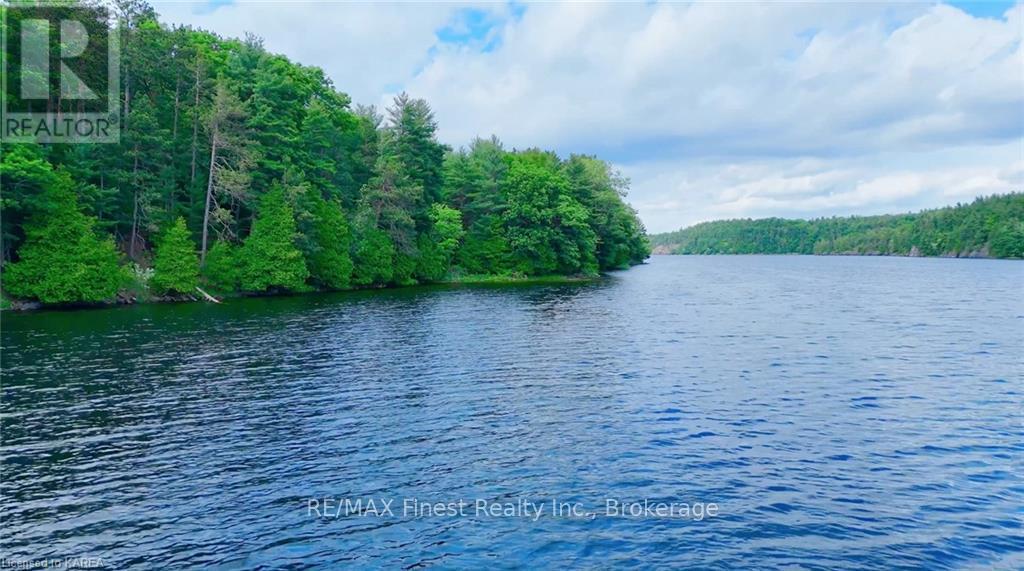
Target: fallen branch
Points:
(207, 296)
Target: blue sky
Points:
(713, 110)
(478, 28)
(984, 9)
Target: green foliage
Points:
(404, 268)
(63, 260)
(431, 264)
(230, 144)
(413, 142)
(447, 224)
(221, 270)
(1008, 240)
(621, 238)
(992, 226)
(373, 254)
(438, 247)
(176, 265)
(25, 175)
(548, 228)
(270, 261)
(532, 187)
(389, 199)
(330, 265)
(577, 242)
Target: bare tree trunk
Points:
(208, 297)
(135, 227)
(209, 196)
(195, 125)
(127, 97)
(135, 209)
(127, 82)
(177, 99)
(99, 212)
(174, 143)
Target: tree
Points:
(414, 144)
(988, 226)
(575, 243)
(475, 183)
(617, 229)
(447, 230)
(390, 199)
(272, 114)
(486, 250)
(176, 266)
(221, 270)
(438, 247)
(532, 190)
(146, 154)
(211, 125)
(373, 253)
(25, 175)
(63, 260)
(270, 261)
(485, 198)
(231, 159)
(1008, 240)
(328, 153)
(330, 264)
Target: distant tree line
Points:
(988, 227)
(242, 171)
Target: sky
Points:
(713, 110)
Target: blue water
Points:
(858, 413)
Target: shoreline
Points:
(24, 306)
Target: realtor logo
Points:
(60, 74)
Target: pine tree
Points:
(25, 175)
(221, 269)
(414, 144)
(330, 264)
(232, 157)
(176, 266)
(63, 260)
(269, 258)
(211, 124)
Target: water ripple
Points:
(842, 412)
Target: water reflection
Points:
(844, 412)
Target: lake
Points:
(838, 412)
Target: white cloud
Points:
(365, 47)
(671, 197)
(714, 109)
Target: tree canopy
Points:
(267, 173)
(63, 259)
(992, 226)
(176, 265)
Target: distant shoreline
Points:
(989, 227)
(840, 255)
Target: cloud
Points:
(714, 109)
(724, 79)
(671, 197)
(366, 48)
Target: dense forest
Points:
(988, 227)
(238, 170)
